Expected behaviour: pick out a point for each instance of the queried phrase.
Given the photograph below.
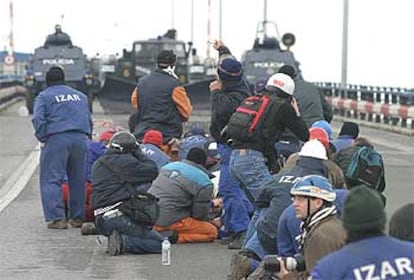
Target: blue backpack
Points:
(366, 167)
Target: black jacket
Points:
(225, 101)
(108, 188)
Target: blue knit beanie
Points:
(230, 69)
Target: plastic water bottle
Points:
(166, 252)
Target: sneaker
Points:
(239, 267)
(88, 229)
(237, 241)
(58, 224)
(114, 243)
(77, 223)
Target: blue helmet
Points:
(314, 186)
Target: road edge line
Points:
(19, 179)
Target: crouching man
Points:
(185, 195)
(116, 175)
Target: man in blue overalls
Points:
(62, 123)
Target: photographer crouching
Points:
(322, 231)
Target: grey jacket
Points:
(312, 103)
(184, 190)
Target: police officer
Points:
(62, 123)
(161, 101)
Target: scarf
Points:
(312, 221)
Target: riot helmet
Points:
(123, 141)
(166, 58)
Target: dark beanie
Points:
(402, 223)
(350, 128)
(55, 74)
(166, 58)
(197, 155)
(288, 70)
(230, 70)
(363, 211)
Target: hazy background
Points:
(380, 51)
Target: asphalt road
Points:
(30, 251)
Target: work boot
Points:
(237, 241)
(58, 224)
(239, 267)
(114, 243)
(77, 223)
(88, 229)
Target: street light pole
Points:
(344, 45)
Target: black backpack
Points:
(247, 122)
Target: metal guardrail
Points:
(392, 106)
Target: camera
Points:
(295, 263)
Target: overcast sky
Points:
(380, 51)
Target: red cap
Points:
(106, 135)
(319, 134)
(153, 137)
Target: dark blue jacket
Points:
(96, 149)
(380, 257)
(108, 187)
(275, 196)
(156, 107)
(289, 227)
(59, 109)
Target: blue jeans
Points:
(136, 239)
(248, 168)
(252, 228)
(253, 244)
(237, 207)
(63, 153)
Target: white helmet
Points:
(282, 82)
(314, 149)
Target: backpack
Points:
(246, 123)
(366, 167)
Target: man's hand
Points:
(217, 44)
(217, 202)
(295, 106)
(215, 85)
(216, 222)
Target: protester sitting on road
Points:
(273, 198)
(289, 227)
(321, 231)
(185, 191)
(348, 133)
(311, 101)
(116, 175)
(161, 101)
(62, 123)
(227, 92)
(368, 253)
(336, 176)
(402, 223)
(151, 147)
(343, 159)
(251, 161)
(95, 150)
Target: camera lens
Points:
(271, 263)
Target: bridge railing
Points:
(382, 105)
